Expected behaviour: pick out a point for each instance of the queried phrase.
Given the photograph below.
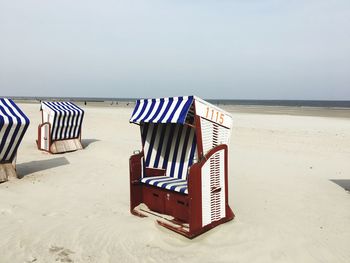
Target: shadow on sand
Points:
(24, 169)
(344, 183)
(86, 142)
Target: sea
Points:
(238, 102)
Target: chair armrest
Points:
(136, 167)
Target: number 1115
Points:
(214, 115)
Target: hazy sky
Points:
(238, 49)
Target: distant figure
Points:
(127, 104)
(84, 102)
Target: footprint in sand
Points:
(62, 254)
(5, 211)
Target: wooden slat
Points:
(66, 146)
(7, 171)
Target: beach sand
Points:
(285, 186)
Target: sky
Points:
(216, 49)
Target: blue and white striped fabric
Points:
(13, 126)
(170, 183)
(169, 146)
(66, 119)
(164, 110)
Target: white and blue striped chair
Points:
(182, 168)
(13, 126)
(60, 130)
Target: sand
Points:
(74, 207)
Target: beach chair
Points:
(60, 130)
(13, 126)
(181, 174)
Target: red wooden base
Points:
(163, 203)
(184, 210)
(57, 146)
(193, 234)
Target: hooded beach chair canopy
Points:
(178, 110)
(162, 110)
(65, 118)
(13, 125)
(169, 139)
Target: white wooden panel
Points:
(213, 113)
(44, 140)
(224, 135)
(213, 179)
(222, 183)
(207, 135)
(213, 135)
(206, 210)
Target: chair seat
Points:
(166, 182)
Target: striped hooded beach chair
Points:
(60, 130)
(13, 126)
(181, 174)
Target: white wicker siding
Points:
(213, 188)
(213, 135)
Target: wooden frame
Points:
(14, 125)
(204, 203)
(66, 145)
(186, 210)
(47, 137)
